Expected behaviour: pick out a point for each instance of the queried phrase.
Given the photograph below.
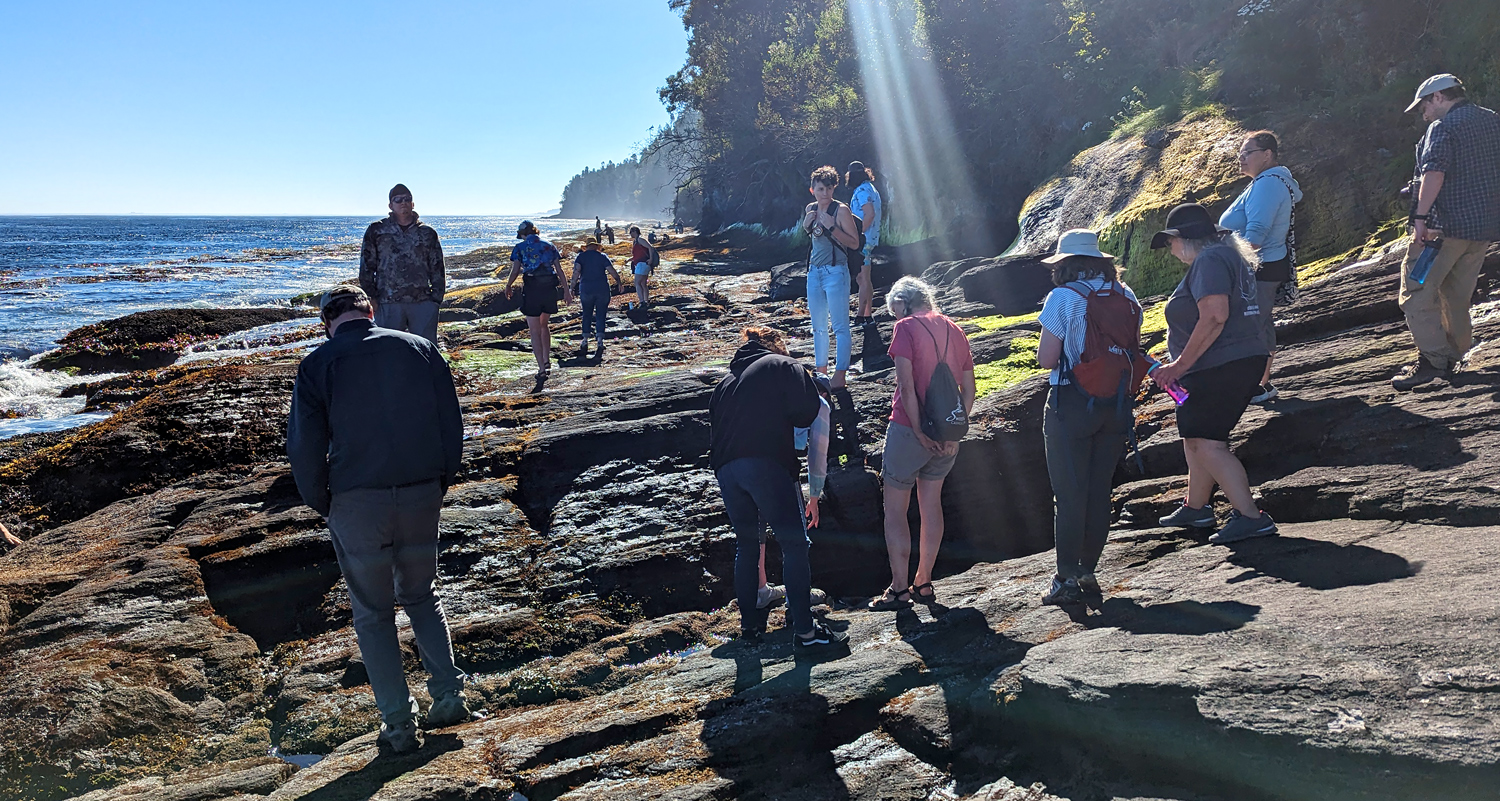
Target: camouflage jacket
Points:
(401, 265)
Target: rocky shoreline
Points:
(176, 612)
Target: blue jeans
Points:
(387, 545)
(755, 490)
(595, 307)
(828, 295)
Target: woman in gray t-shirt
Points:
(1218, 356)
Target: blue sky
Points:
(318, 107)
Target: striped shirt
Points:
(1063, 316)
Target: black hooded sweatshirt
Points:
(754, 409)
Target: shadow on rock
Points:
(368, 780)
(1319, 565)
(1178, 617)
(1348, 432)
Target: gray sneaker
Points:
(1188, 517)
(769, 595)
(1240, 527)
(449, 710)
(402, 738)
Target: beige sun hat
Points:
(1077, 242)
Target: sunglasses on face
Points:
(1245, 154)
(401, 199)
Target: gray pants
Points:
(387, 545)
(1083, 447)
(419, 318)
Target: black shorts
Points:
(1218, 397)
(538, 298)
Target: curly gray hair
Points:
(914, 295)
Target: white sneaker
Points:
(1267, 393)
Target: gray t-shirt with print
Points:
(1218, 270)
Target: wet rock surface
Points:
(151, 339)
(176, 612)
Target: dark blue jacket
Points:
(372, 408)
(754, 409)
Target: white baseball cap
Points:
(1077, 242)
(1433, 85)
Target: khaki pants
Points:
(1437, 311)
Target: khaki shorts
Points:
(905, 460)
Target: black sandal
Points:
(889, 600)
(922, 597)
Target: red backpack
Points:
(1112, 363)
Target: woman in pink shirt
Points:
(913, 460)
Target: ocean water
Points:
(60, 273)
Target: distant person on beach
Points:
(401, 269)
(918, 455)
(865, 202)
(1264, 215)
(1085, 432)
(752, 415)
(539, 266)
(609, 233)
(375, 439)
(591, 271)
(640, 266)
(1456, 191)
(1218, 356)
(826, 220)
(598, 229)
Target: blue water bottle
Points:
(1423, 265)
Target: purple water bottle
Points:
(1174, 389)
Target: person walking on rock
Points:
(1091, 310)
(640, 266)
(831, 228)
(591, 271)
(375, 439)
(1263, 214)
(1218, 356)
(917, 454)
(609, 233)
(598, 229)
(752, 415)
(401, 269)
(539, 266)
(865, 202)
(1457, 211)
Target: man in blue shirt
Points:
(1458, 202)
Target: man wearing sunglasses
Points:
(401, 269)
(1458, 204)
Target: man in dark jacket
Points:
(401, 269)
(375, 438)
(752, 414)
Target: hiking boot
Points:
(1188, 517)
(769, 595)
(1267, 393)
(1064, 592)
(1415, 375)
(402, 738)
(752, 636)
(449, 710)
(821, 637)
(1240, 527)
(1088, 584)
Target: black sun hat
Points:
(1189, 221)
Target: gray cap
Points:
(1433, 85)
(340, 291)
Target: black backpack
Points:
(856, 257)
(943, 415)
(654, 260)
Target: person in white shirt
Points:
(865, 203)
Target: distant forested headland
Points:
(774, 88)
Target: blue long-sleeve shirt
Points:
(1263, 212)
